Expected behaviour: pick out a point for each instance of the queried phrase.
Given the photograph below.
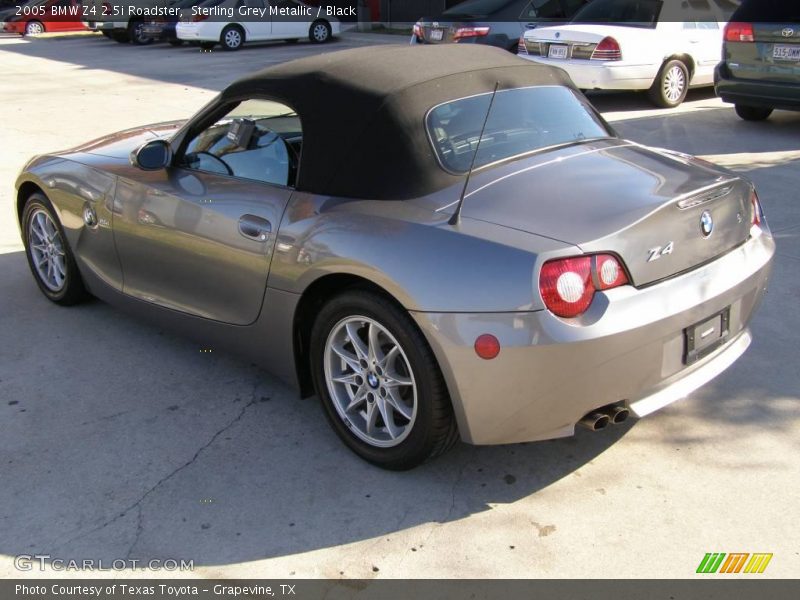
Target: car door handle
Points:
(255, 228)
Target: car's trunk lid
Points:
(614, 196)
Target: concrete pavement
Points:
(119, 440)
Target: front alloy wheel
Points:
(48, 254)
(379, 382)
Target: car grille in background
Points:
(578, 50)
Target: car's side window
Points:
(257, 139)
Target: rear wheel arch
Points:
(311, 301)
(686, 59)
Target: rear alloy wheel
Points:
(137, 35)
(752, 113)
(34, 28)
(671, 85)
(49, 256)
(232, 37)
(379, 382)
(319, 32)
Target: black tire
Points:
(752, 113)
(72, 290)
(664, 95)
(121, 37)
(434, 429)
(136, 35)
(105, 33)
(34, 27)
(176, 43)
(232, 38)
(320, 32)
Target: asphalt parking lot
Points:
(120, 440)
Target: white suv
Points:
(632, 45)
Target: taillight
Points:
(739, 32)
(418, 30)
(755, 206)
(521, 47)
(470, 32)
(607, 49)
(199, 17)
(568, 285)
(107, 9)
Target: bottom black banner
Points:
(391, 589)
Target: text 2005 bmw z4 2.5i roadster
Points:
(442, 242)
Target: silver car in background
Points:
(442, 242)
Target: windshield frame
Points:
(611, 134)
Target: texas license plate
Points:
(786, 52)
(708, 335)
(436, 35)
(557, 51)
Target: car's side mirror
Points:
(154, 155)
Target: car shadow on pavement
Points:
(122, 440)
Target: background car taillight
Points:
(470, 32)
(755, 206)
(739, 32)
(607, 49)
(198, 18)
(521, 47)
(568, 285)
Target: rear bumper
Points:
(602, 75)
(748, 92)
(550, 372)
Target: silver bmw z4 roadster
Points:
(441, 242)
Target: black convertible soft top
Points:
(363, 111)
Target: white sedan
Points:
(231, 23)
(631, 45)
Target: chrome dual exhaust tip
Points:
(603, 417)
(595, 421)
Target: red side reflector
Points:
(487, 346)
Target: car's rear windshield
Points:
(521, 120)
(768, 11)
(629, 13)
